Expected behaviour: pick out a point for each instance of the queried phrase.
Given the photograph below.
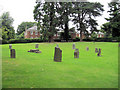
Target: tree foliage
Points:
(113, 25)
(6, 22)
(84, 14)
(24, 25)
(52, 16)
(45, 15)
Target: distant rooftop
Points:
(34, 28)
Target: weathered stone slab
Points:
(73, 46)
(58, 55)
(35, 50)
(12, 53)
(76, 53)
(10, 46)
(99, 53)
(96, 50)
(36, 46)
(119, 45)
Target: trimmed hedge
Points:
(22, 41)
(115, 39)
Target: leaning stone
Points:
(76, 53)
(58, 55)
(99, 53)
(12, 53)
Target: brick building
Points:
(34, 33)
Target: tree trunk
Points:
(66, 32)
(51, 39)
(81, 36)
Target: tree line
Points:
(51, 17)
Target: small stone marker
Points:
(36, 46)
(10, 46)
(119, 44)
(73, 45)
(57, 46)
(12, 53)
(58, 55)
(96, 50)
(87, 48)
(76, 53)
(99, 53)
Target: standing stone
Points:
(57, 46)
(76, 53)
(10, 46)
(119, 44)
(99, 53)
(73, 45)
(87, 48)
(58, 55)
(36, 46)
(96, 50)
(12, 53)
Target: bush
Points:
(4, 41)
(24, 40)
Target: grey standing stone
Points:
(12, 53)
(73, 45)
(99, 53)
(57, 46)
(36, 46)
(10, 46)
(58, 55)
(87, 48)
(76, 53)
(96, 50)
(119, 44)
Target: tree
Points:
(84, 13)
(6, 22)
(114, 19)
(106, 29)
(45, 15)
(64, 10)
(24, 25)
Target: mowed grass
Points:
(38, 70)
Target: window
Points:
(31, 32)
(36, 32)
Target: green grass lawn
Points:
(38, 70)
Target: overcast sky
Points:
(22, 10)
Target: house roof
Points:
(34, 28)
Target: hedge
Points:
(114, 39)
(22, 41)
